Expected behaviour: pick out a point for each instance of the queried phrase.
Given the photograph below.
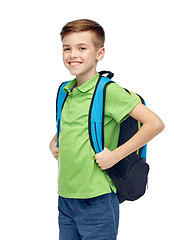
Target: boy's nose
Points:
(73, 53)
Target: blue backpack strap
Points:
(61, 97)
(144, 151)
(129, 127)
(96, 114)
(144, 148)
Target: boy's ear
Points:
(100, 53)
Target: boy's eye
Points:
(82, 48)
(66, 49)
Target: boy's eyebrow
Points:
(82, 44)
(79, 44)
(66, 45)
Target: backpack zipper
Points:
(95, 127)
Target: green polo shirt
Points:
(79, 176)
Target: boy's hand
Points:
(53, 147)
(105, 159)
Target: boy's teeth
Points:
(74, 63)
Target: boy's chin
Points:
(75, 73)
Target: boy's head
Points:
(83, 25)
(83, 47)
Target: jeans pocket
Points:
(95, 201)
(115, 207)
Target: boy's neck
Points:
(81, 79)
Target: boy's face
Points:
(80, 55)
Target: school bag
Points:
(130, 175)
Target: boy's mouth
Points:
(75, 64)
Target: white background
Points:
(139, 50)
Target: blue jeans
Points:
(89, 219)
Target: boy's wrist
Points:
(117, 155)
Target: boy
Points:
(88, 203)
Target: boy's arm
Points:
(152, 125)
(53, 146)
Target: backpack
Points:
(130, 175)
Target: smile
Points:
(74, 64)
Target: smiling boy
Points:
(80, 55)
(88, 202)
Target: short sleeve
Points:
(118, 102)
